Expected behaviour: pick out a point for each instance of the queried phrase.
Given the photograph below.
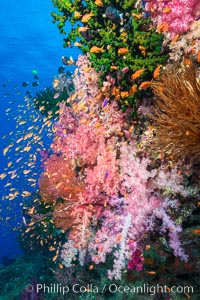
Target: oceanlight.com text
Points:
(112, 288)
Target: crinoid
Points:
(176, 113)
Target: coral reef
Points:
(121, 43)
(173, 17)
(107, 192)
(119, 189)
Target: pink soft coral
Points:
(177, 14)
(116, 193)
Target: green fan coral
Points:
(120, 40)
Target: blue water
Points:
(29, 41)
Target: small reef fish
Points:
(22, 122)
(5, 150)
(143, 50)
(3, 175)
(187, 61)
(124, 95)
(6, 95)
(61, 70)
(122, 51)
(114, 67)
(87, 17)
(77, 14)
(35, 83)
(166, 10)
(24, 221)
(83, 28)
(114, 15)
(162, 28)
(98, 2)
(175, 38)
(144, 85)
(151, 273)
(196, 231)
(156, 72)
(132, 90)
(26, 194)
(96, 49)
(137, 16)
(198, 56)
(137, 74)
(67, 60)
(77, 44)
(55, 83)
(25, 83)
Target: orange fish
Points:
(98, 2)
(198, 56)
(137, 16)
(77, 44)
(196, 231)
(91, 267)
(55, 83)
(143, 50)
(156, 72)
(77, 14)
(162, 27)
(114, 67)
(124, 94)
(187, 132)
(96, 49)
(186, 61)
(175, 39)
(144, 85)
(83, 28)
(55, 257)
(87, 17)
(151, 272)
(132, 90)
(166, 9)
(187, 295)
(3, 175)
(137, 74)
(119, 237)
(122, 51)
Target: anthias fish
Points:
(123, 51)
(96, 49)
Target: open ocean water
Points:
(28, 42)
